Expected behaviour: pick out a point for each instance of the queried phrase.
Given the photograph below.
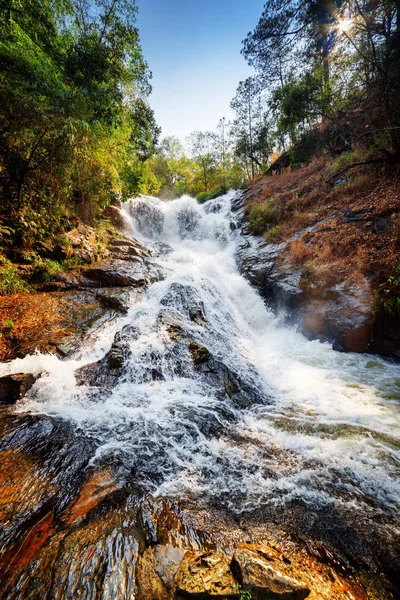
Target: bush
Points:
(220, 192)
(46, 270)
(273, 235)
(10, 282)
(203, 197)
(263, 216)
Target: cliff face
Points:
(324, 249)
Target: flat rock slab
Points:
(119, 273)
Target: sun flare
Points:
(344, 25)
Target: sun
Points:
(344, 25)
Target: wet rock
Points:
(116, 217)
(120, 349)
(151, 587)
(184, 299)
(127, 249)
(14, 387)
(199, 353)
(256, 572)
(167, 560)
(258, 262)
(114, 298)
(204, 575)
(342, 314)
(242, 393)
(105, 372)
(116, 273)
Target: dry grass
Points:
(299, 252)
(359, 221)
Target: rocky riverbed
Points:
(134, 459)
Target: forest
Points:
(326, 81)
(199, 338)
(77, 132)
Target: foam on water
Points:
(326, 427)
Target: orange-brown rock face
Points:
(72, 531)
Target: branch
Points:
(357, 164)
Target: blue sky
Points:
(193, 49)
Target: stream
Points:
(218, 402)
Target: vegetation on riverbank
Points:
(75, 126)
(337, 229)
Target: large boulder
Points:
(206, 575)
(117, 273)
(258, 572)
(113, 213)
(80, 242)
(342, 313)
(14, 387)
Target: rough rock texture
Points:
(81, 242)
(65, 310)
(14, 387)
(116, 217)
(72, 530)
(341, 313)
(204, 575)
(118, 273)
(256, 570)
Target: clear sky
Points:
(193, 49)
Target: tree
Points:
(203, 151)
(250, 128)
(73, 115)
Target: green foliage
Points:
(244, 594)
(343, 161)
(272, 235)
(390, 293)
(307, 276)
(262, 216)
(46, 270)
(8, 325)
(10, 282)
(75, 126)
(318, 61)
(203, 197)
(309, 145)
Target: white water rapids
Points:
(325, 426)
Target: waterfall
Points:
(217, 399)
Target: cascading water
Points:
(265, 417)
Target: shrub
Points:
(10, 282)
(299, 251)
(306, 277)
(219, 192)
(46, 270)
(344, 160)
(273, 235)
(261, 216)
(203, 197)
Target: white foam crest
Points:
(327, 430)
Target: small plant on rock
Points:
(390, 292)
(244, 594)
